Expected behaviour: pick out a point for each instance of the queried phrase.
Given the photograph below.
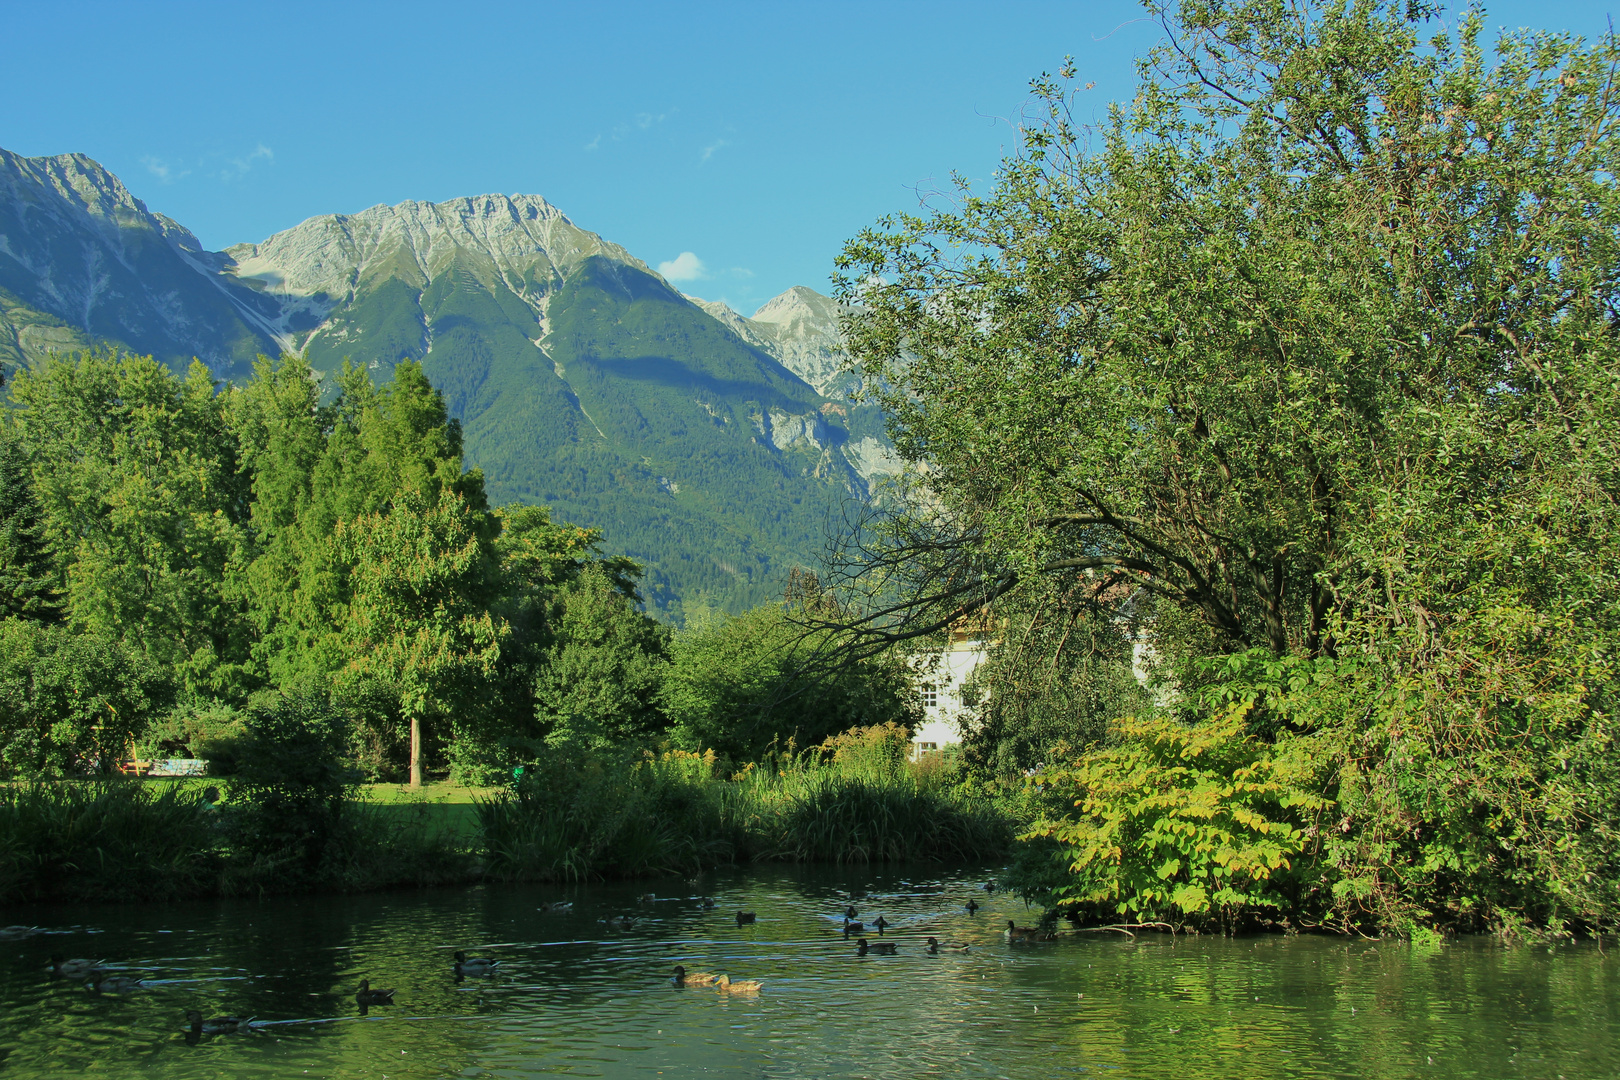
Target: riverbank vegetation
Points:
(294, 821)
(299, 583)
(1266, 431)
(1298, 372)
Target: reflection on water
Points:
(575, 996)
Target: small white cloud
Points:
(238, 167)
(594, 143)
(741, 271)
(163, 170)
(708, 151)
(684, 267)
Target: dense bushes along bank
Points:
(570, 819)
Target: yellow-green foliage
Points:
(877, 748)
(1180, 822)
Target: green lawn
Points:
(446, 805)
(449, 805)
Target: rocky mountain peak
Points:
(800, 310)
(515, 237)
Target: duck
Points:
(73, 969)
(882, 948)
(850, 912)
(934, 946)
(696, 978)
(990, 887)
(214, 1025)
(881, 924)
(646, 898)
(618, 922)
(745, 917)
(478, 966)
(558, 907)
(367, 996)
(972, 906)
(115, 984)
(1024, 933)
(706, 903)
(853, 927)
(739, 986)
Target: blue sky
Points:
(739, 143)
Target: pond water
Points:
(576, 997)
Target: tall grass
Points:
(128, 840)
(113, 840)
(672, 813)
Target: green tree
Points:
(1313, 341)
(136, 472)
(606, 666)
(747, 683)
(71, 702)
(316, 468)
(28, 579)
(419, 619)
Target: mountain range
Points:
(715, 449)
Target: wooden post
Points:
(416, 750)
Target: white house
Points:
(943, 700)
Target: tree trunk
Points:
(416, 751)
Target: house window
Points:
(927, 746)
(930, 696)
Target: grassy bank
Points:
(572, 818)
(136, 840)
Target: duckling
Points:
(558, 907)
(853, 927)
(934, 946)
(1024, 933)
(696, 978)
(115, 984)
(367, 996)
(972, 905)
(73, 969)
(214, 1025)
(880, 924)
(990, 887)
(882, 948)
(478, 966)
(745, 917)
(739, 986)
(706, 903)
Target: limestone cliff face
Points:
(321, 267)
(82, 261)
(800, 329)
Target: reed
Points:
(131, 840)
(672, 813)
(107, 840)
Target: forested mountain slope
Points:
(715, 449)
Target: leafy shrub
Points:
(71, 702)
(1188, 824)
(292, 788)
